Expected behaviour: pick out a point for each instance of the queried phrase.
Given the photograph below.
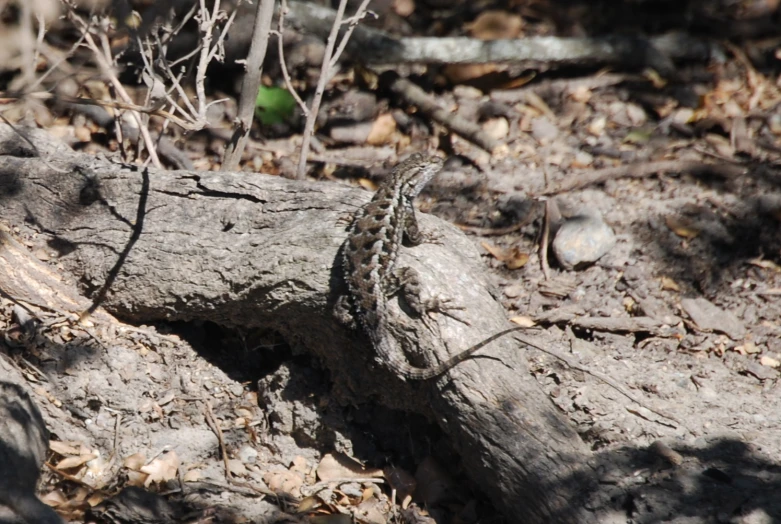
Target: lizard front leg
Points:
(412, 232)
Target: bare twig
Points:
(413, 94)
(283, 66)
(329, 61)
(548, 217)
(104, 61)
(206, 26)
(26, 44)
(250, 85)
(579, 180)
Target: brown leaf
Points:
(63, 448)
(765, 264)
(284, 481)
(513, 257)
(523, 321)
(134, 462)
(462, 73)
(194, 475)
(404, 8)
(162, 469)
(495, 25)
(339, 466)
(75, 462)
(382, 130)
(682, 227)
(669, 284)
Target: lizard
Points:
(369, 258)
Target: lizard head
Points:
(415, 172)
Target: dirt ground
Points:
(698, 216)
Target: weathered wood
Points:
(24, 441)
(246, 249)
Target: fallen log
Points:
(252, 250)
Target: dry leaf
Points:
(382, 130)
(535, 101)
(597, 126)
(96, 498)
(63, 448)
(520, 81)
(244, 413)
(136, 478)
(629, 304)
(581, 94)
(669, 284)
(161, 469)
(372, 511)
(194, 475)
(309, 504)
(682, 227)
(522, 321)
(655, 78)
(134, 462)
(513, 257)
(403, 8)
(462, 73)
(54, 498)
(284, 481)
(495, 25)
(765, 264)
(74, 462)
(236, 468)
(299, 464)
(339, 466)
(97, 467)
(367, 184)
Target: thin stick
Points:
(250, 85)
(427, 104)
(104, 64)
(283, 66)
(579, 180)
(309, 128)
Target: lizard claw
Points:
(443, 306)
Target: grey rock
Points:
(582, 239)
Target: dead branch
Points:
(414, 95)
(581, 179)
(371, 46)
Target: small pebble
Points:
(248, 454)
(582, 239)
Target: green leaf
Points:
(274, 105)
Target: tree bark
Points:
(245, 249)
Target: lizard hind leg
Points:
(407, 281)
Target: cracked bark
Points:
(259, 251)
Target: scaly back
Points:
(377, 232)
